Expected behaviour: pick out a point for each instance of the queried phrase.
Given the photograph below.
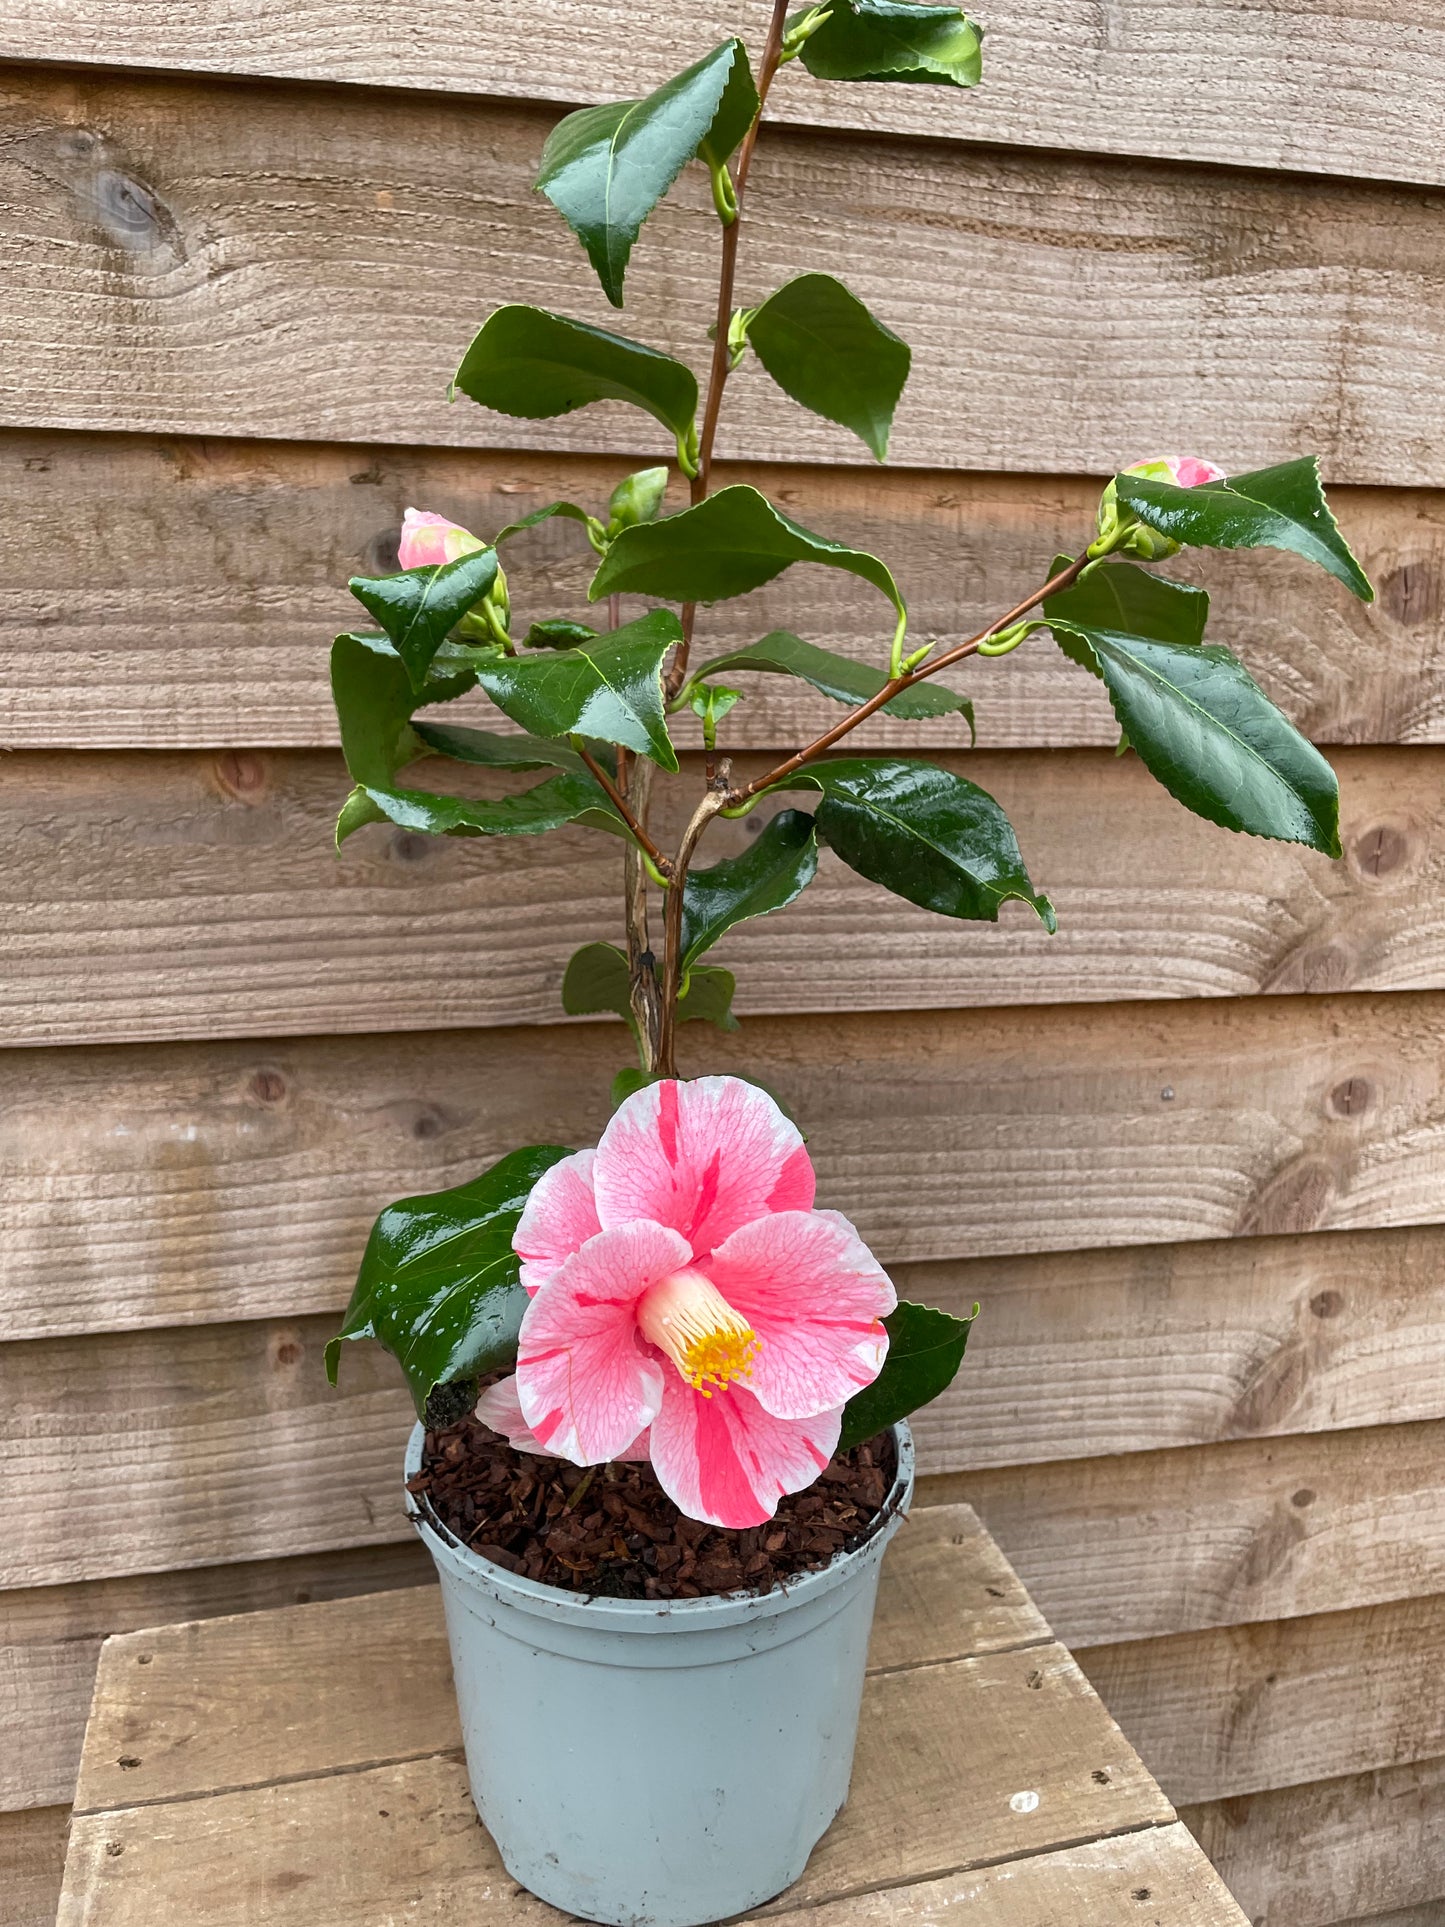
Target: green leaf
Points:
(609, 688)
(1204, 728)
(780, 863)
(606, 168)
(925, 1350)
(491, 750)
(708, 998)
(557, 633)
(895, 40)
(569, 512)
(733, 542)
(822, 346)
(1270, 508)
(630, 1080)
(596, 980)
(923, 833)
(846, 681)
(418, 608)
(529, 363)
(1126, 600)
(551, 805)
(438, 1285)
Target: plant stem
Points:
(643, 990)
(620, 804)
(906, 681)
(713, 800)
(727, 274)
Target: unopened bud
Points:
(636, 499)
(1122, 532)
(427, 539)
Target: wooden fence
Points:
(1188, 1153)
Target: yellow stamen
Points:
(687, 1317)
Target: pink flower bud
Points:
(1185, 471)
(428, 538)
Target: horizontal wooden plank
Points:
(222, 1703)
(224, 1443)
(150, 1184)
(1330, 1855)
(223, 864)
(1242, 1709)
(52, 1637)
(202, 582)
(253, 261)
(1157, 1543)
(32, 1861)
(1207, 81)
(431, 1852)
(1081, 1354)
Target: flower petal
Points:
(703, 1157)
(815, 1295)
(557, 1219)
(726, 1460)
(587, 1383)
(498, 1407)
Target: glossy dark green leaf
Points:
(823, 347)
(896, 40)
(489, 749)
(923, 833)
(780, 863)
(529, 363)
(562, 799)
(609, 688)
(418, 608)
(556, 632)
(925, 1350)
(567, 511)
(374, 706)
(606, 168)
(1204, 728)
(1272, 508)
(438, 1285)
(731, 543)
(1126, 600)
(596, 980)
(846, 681)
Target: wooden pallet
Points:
(303, 1768)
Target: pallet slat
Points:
(225, 865)
(270, 262)
(203, 582)
(151, 1184)
(1207, 81)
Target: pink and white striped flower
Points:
(428, 538)
(689, 1304)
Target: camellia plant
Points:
(674, 1295)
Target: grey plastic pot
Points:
(655, 1764)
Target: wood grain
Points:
(269, 262)
(224, 1443)
(1337, 1854)
(152, 1184)
(32, 1863)
(203, 580)
(223, 866)
(1241, 1709)
(1156, 1543)
(1264, 84)
(229, 1702)
(52, 1637)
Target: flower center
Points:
(687, 1317)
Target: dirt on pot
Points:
(611, 1530)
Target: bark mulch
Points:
(611, 1530)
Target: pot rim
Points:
(659, 1615)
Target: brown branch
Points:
(714, 800)
(727, 275)
(619, 803)
(897, 684)
(643, 990)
